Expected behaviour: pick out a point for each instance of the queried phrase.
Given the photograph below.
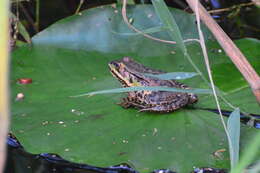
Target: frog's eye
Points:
(115, 65)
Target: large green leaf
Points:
(71, 57)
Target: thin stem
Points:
(206, 59)
(170, 42)
(79, 7)
(138, 31)
(231, 50)
(37, 20)
(231, 8)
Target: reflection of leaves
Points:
(48, 120)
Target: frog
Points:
(130, 73)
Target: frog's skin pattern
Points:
(131, 73)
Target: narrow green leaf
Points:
(254, 169)
(249, 155)
(169, 22)
(22, 30)
(173, 75)
(233, 126)
(128, 89)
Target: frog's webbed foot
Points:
(125, 103)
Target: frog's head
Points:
(123, 70)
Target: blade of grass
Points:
(172, 75)
(233, 127)
(128, 89)
(168, 21)
(21, 29)
(206, 60)
(249, 155)
(126, 20)
(254, 169)
(174, 32)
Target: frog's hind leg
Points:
(126, 103)
(160, 109)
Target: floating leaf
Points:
(72, 56)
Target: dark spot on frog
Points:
(95, 117)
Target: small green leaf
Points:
(233, 126)
(128, 89)
(22, 30)
(173, 75)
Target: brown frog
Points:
(131, 73)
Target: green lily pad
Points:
(71, 57)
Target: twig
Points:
(231, 49)
(79, 6)
(231, 8)
(138, 31)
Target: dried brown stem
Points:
(231, 8)
(231, 49)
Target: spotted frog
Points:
(131, 74)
